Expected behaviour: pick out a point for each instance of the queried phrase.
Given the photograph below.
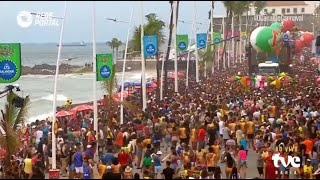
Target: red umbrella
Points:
(3, 153)
(118, 94)
(83, 107)
(64, 113)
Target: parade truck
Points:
(268, 68)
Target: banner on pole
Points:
(182, 43)
(104, 66)
(10, 62)
(201, 40)
(150, 45)
(228, 35)
(217, 37)
(243, 36)
(237, 35)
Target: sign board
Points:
(201, 40)
(150, 45)
(243, 36)
(104, 66)
(182, 43)
(10, 62)
(217, 37)
(285, 37)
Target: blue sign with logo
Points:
(216, 40)
(7, 70)
(150, 45)
(285, 37)
(105, 72)
(244, 37)
(182, 45)
(201, 40)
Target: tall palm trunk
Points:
(226, 30)
(168, 53)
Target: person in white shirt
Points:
(39, 134)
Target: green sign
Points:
(216, 37)
(182, 43)
(104, 66)
(10, 62)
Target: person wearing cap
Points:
(157, 163)
(128, 173)
(108, 174)
(308, 170)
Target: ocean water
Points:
(78, 87)
(35, 54)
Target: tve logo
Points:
(294, 161)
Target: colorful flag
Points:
(216, 37)
(201, 40)
(10, 62)
(228, 35)
(104, 66)
(243, 36)
(150, 45)
(182, 43)
(237, 35)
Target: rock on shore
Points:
(46, 69)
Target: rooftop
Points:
(285, 3)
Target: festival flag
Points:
(243, 36)
(201, 40)
(237, 35)
(10, 62)
(150, 45)
(217, 37)
(228, 35)
(104, 66)
(182, 43)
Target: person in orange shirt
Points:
(145, 142)
(119, 140)
(309, 144)
(250, 132)
(182, 135)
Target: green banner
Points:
(104, 66)
(217, 37)
(182, 43)
(10, 62)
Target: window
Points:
(288, 10)
(295, 10)
(302, 10)
(283, 10)
(273, 10)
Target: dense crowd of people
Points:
(188, 134)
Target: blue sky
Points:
(79, 19)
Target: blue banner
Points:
(150, 45)
(201, 40)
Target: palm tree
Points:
(12, 117)
(115, 44)
(154, 26)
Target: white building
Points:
(287, 7)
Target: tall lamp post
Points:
(54, 108)
(143, 65)
(124, 63)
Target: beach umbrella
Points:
(63, 114)
(3, 153)
(83, 107)
(118, 94)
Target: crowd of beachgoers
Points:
(187, 134)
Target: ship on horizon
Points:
(73, 44)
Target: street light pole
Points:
(143, 75)
(195, 24)
(174, 11)
(54, 108)
(95, 104)
(212, 40)
(124, 69)
(188, 58)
